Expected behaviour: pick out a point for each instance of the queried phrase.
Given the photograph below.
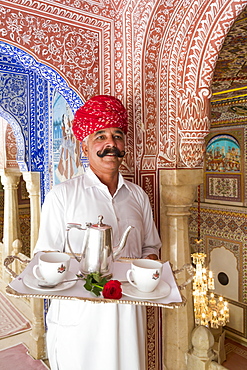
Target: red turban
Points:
(99, 112)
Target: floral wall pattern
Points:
(70, 49)
(169, 121)
(223, 218)
(157, 56)
(26, 100)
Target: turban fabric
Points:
(99, 112)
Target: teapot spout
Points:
(122, 243)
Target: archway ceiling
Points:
(229, 84)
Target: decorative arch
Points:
(179, 59)
(67, 38)
(46, 72)
(32, 127)
(19, 138)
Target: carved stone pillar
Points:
(37, 344)
(178, 191)
(33, 187)
(11, 229)
(201, 356)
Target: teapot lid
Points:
(100, 224)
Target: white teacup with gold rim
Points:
(145, 273)
(52, 267)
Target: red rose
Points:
(112, 289)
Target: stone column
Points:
(178, 192)
(11, 229)
(37, 347)
(33, 187)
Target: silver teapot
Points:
(97, 252)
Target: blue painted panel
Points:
(27, 89)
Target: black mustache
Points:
(114, 151)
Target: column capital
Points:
(10, 178)
(32, 182)
(178, 187)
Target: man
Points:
(84, 335)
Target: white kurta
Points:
(84, 335)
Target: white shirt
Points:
(85, 335)
(82, 199)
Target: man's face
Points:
(105, 149)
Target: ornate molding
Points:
(152, 338)
(71, 43)
(136, 22)
(188, 59)
(71, 9)
(192, 126)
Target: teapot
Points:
(97, 252)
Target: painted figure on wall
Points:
(223, 154)
(66, 149)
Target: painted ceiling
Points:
(229, 85)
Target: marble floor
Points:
(236, 356)
(16, 339)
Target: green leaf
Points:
(95, 283)
(88, 285)
(96, 290)
(96, 276)
(103, 281)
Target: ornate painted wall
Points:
(223, 196)
(157, 56)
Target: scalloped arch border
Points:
(55, 80)
(184, 68)
(46, 72)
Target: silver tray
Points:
(77, 292)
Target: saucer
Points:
(162, 290)
(31, 282)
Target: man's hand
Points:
(152, 257)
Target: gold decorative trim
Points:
(10, 291)
(152, 338)
(14, 293)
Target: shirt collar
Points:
(92, 180)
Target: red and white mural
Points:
(157, 56)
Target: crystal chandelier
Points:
(209, 310)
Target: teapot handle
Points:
(68, 228)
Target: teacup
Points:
(145, 273)
(52, 267)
